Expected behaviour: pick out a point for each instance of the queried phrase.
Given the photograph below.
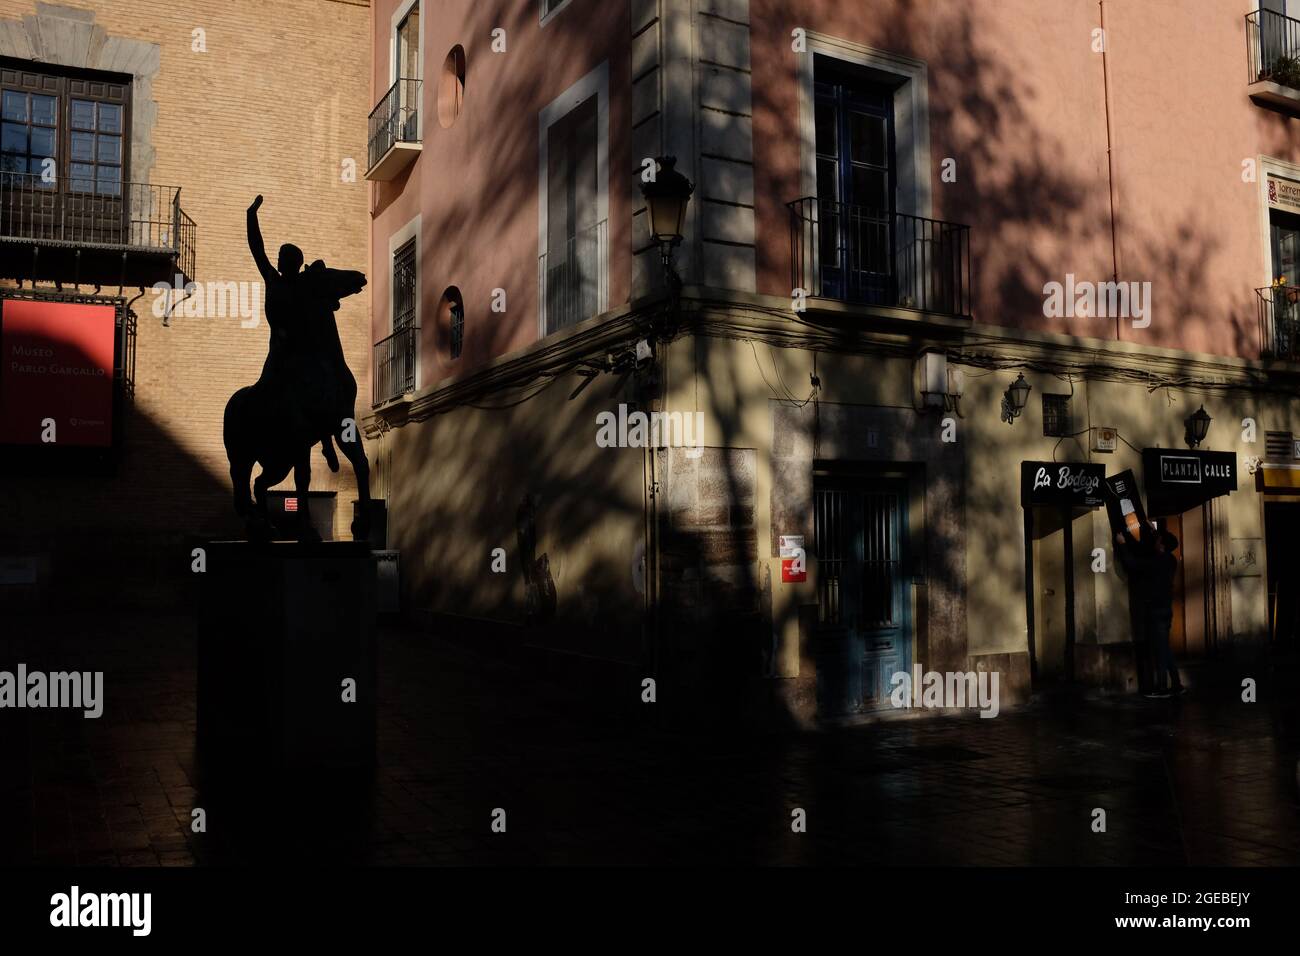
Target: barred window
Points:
(1056, 416)
(404, 287)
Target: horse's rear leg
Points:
(271, 475)
(356, 454)
(302, 488)
(241, 472)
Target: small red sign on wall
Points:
(794, 567)
(290, 504)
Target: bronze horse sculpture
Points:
(306, 393)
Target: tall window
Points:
(408, 45)
(404, 287)
(1284, 238)
(65, 133)
(1279, 32)
(396, 355)
(408, 70)
(573, 264)
(856, 174)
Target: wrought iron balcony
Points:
(395, 131)
(872, 257)
(573, 278)
(77, 232)
(1279, 322)
(1273, 57)
(395, 362)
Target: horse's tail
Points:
(234, 423)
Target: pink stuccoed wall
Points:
(1016, 98)
(475, 184)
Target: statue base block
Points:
(286, 655)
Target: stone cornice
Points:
(834, 326)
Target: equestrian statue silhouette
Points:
(306, 393)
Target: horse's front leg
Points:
(302, 485)
(349, 442)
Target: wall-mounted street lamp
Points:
(1196, 427)
(1014, 398)
(667, 197)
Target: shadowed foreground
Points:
(1206, 780)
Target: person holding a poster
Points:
(1152, 564)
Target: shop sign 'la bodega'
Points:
(1076, 483)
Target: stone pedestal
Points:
(282, 628)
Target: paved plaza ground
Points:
(1205, 780)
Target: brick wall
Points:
(275, 105)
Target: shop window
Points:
(1056, 416)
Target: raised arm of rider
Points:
(257, 247)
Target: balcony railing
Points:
(1273, 48)
(872, 257)
(395, 359)
(77, 215)
(1279, 322)
(574, 278)
(394, 123)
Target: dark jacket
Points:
(1152, 574)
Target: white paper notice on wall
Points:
(794, 566)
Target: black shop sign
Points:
(1177, 481)
(1077, 484)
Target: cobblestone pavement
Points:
(1205, 780)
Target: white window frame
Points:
(546, 16)
(398, 16)
(595, 83)
(911, 118)
(395, 242)
(1265, 166)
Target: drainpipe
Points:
(650, 563)
(1110, 149)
